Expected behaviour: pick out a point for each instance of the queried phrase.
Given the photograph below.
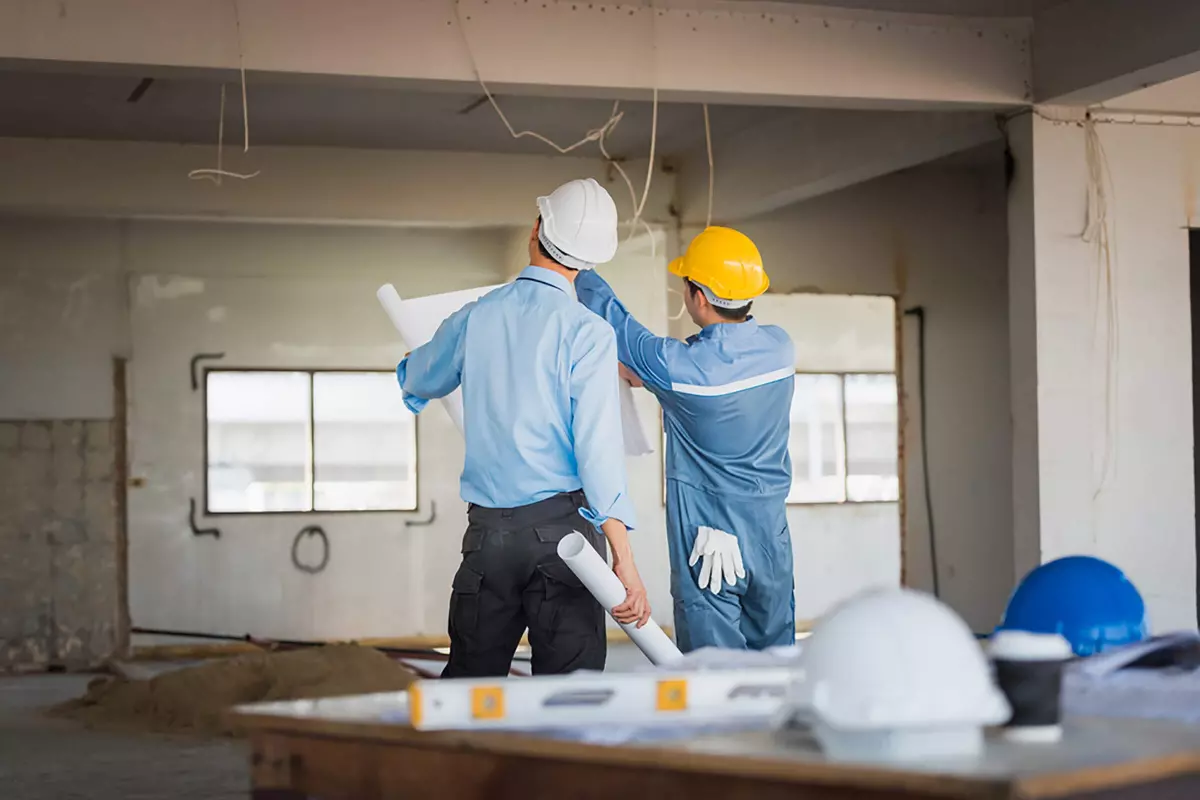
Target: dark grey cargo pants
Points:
(511, 578)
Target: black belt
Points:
(552, 508)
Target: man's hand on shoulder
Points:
(629, 375)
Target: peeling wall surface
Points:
(59, 587)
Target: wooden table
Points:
(345, 748)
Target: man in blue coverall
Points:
(544, 453)
(726, 396)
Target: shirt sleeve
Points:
(637, 348)
(596, 425)
(434, 369)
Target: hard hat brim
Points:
(678, 267)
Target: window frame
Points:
(841, 376)
(312, 434)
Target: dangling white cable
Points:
(682, 306)
(708, 146)
(215, 175)
(1097, 231)
(594, 135)
(598, 135)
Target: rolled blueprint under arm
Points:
(604, 585)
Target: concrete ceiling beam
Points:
(801, 156)
(298, 184)
(1089, 51)
(691, 50)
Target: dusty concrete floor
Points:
(48, 759)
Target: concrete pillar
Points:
(1101, 353)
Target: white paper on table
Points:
(417, 320)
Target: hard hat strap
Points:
(721, 302)
(558, 255)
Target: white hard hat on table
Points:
(897, 672)
(579, 224)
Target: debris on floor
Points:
(194, 699)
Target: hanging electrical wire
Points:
(708, 216)
(598, 135)
(708, 148)
(215, 175)
(1098, 232)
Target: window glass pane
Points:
(258, 441)
(872, 422)
(365, 447)
(816, 444)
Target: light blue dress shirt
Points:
(541, 413)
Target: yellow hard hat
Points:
(726, 262)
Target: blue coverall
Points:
(726, 395)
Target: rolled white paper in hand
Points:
(606, 587)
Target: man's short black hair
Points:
(731, 314)
(542, 248)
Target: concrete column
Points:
(1101, 353)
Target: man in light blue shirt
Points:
(544, 449)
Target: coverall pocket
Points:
(464, 601)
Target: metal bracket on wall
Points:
(196, 359)
(197, 531)
(421, 523)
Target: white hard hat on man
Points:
(579, 224)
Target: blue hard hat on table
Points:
(1087, 600)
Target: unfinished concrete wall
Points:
(269, 296)
(61, 559)
(936, 237)
(60, 554)
(1107, 422)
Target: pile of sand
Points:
(195, 698)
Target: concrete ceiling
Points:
(959, 8)
(342, 114)
(1180, 96)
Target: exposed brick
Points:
(35, 435)
(85, 603)
(25, 597)
(98, 465)
(68, 466)
(10, 436)
(68, 500)
(67, 434)
(99, 435)
(99, 511)
(59, 594)
(65, 532)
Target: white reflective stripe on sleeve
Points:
(735, 386)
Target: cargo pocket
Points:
(553, 534)
(473, 539)
(564, 594)
(464, 603)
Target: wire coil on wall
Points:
(311, 569)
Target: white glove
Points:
(722, 557)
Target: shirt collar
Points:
(546, 276)
(728, 330)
